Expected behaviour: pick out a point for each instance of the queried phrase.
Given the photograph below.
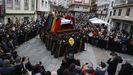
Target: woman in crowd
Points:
(101, 69)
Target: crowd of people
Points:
(97, 35)
(12, 36)
(72, 66)
(113, 40)
(82, 18)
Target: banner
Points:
(57, 25)
(53, 24)
(50, 20)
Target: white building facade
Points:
(43, 7)
(79, 6)
(110, 12)
(105, 11)
(102, 9)
(63, 3)
(122, 17)
(20, 10)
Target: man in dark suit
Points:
(113, 62)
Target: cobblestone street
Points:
(36, 50)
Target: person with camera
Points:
(87, 69)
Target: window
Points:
(46, 4)
(42, 2)
(9, 4)
(26, 18)
(26, 4)
(108, 20)
(17, 4)
(112, 3)
(114, 12)
(1, 2)
(77, 6)
(131, 29)
(33, 5)
(119, 13)
(110, 13)
(128, 12)
(125, 27)
(101, 12)
(9, 19)
(117, 26)
(85, 7)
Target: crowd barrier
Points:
(111, 45)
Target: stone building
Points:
(102, 9)
(43, 7)
(20, 10)
(79, 6)
(122, 17)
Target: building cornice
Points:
(80, 4)
(19, 13)
(79, 11)
(123, 5)
(122, 18)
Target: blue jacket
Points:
(99, 71)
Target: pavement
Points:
(36, 51)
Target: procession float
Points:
(57, 35)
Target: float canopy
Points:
(65, 21)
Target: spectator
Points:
(113, 63)
(48, 73)
(72, 69)
(87, 69)
(66, 72)
(101, 69)
(126, 69)
(53, 73)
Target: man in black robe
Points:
(57, 48)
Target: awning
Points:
(97, 21)
(93, 19)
